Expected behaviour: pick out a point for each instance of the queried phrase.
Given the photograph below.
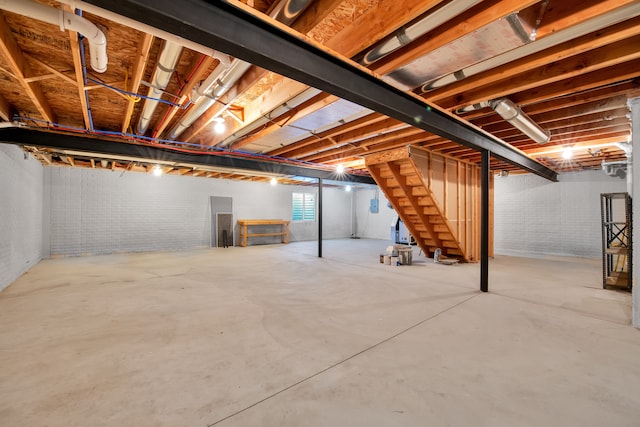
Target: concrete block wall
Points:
(21, 209)
(534, 216)
(95, 211)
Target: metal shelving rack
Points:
(617, 242)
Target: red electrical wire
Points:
(184, 83)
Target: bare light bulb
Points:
(347, 188)
(157, 170)
(567, 153)
(274, 181)
(219, 127)
(340, 169)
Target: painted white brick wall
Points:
(21, 192)
(534, 216)
(372, 225)
(94, 211)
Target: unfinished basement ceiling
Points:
(569, 65)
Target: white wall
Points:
(372, 225)
(21, 190)
(634, 105)
(93, 211)
(534, 216)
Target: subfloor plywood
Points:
(274, 335)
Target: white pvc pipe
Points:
(66, 21)
(281, 109)
(221, 86)
(128, 22)
(161, 78)
(417, 29)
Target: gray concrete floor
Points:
(274, 336)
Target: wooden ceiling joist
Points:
(570, 68)
(5, 109)
(79, 73)
(142, 56)
(21, 69)
(599, 39)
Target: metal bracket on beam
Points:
(235, 30)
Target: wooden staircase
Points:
(436, 197)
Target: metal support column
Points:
(319, 217)
(484, 223)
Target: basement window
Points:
(303, 206)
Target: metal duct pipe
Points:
(573, 32)
(66, 21)
(221, 86)
(128, 22)
(411, 32)
(161, 78)
(206, 85)
(281, 109)
(615, 169)
(514, 115)
(286, 12)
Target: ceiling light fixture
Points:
(274, 181)
(514, 115)
(567, 153)
(340, 169)
(219, 126)
(347, 188)
(157, 170)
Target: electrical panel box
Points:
(373, 205)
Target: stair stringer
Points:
(400, 180)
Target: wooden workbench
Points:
(244, 224)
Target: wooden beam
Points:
(198, 75)
(20, 68)
(40, 78)
(348, 43)
(79, 72)
(563, 14)
(314, 14)
(330, 133)
(473, 19)
(570, 68)
(382, 18)
(394, 139)
(49, 68)
(603, 77)
(401, 140)
(384, 127)
(310, 106)
(5, 109)
(142, 56)
(544, 58)
(248, 80)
